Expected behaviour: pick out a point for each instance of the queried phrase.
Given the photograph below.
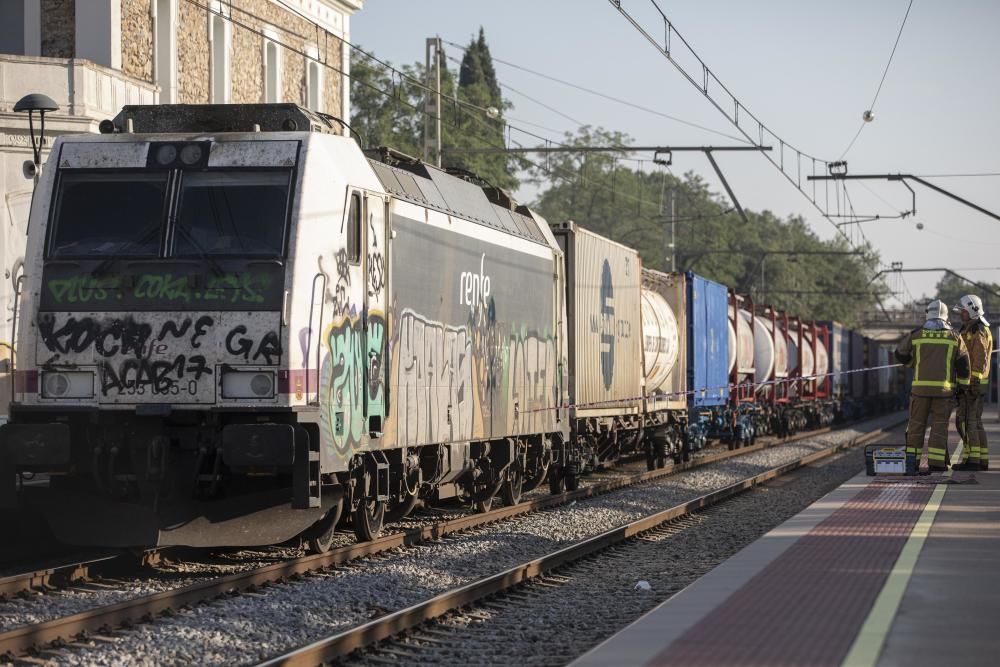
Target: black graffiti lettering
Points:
(270, 345)
(170, 328)
(160, 377)
(100, 347)
(245, 344)
(200, 329)
(198, 366)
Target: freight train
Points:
(235, 327)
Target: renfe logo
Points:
(474, 289)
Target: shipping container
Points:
(859, 378)
(708, 342)
(840, 357)
(603, 280)
(664, 314)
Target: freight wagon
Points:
(238, 328)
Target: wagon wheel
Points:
(556, 481)
(369, 515)
(512, 488)
(319, 537)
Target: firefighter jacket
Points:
(937, 357)
(978, 341)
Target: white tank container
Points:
(732, 346)
(763, 348)
(660, 339)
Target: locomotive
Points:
(238, 328)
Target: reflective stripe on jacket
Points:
(937, 357)
(978, 341)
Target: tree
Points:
(951, 288)
(388, 110)
(767, 258)
(380, 119)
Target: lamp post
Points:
(40, 104)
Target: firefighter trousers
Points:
(937, 410)
(969, 420)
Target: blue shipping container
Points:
(708, 342)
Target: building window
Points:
(220, 38)
(165, 60)
(272, 68)
(314, 80)
(12, 28)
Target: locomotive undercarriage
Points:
(240, 479)
(183, 478)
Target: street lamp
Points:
(43, 104)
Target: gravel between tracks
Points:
(554, 620)
(245, 628)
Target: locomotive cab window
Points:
(354, 215)
(239, 213)
(117, 213)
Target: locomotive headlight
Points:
(248, 384)
(166, 154)
(191, 154)
(67, 384)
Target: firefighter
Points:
(978, 339)
(937, 356)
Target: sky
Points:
(807, 70)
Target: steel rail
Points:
(19, 640)
(54, 575)
(391, 624)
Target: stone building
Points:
(94, 56)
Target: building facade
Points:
(94, 56)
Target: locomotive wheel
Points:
(485, 495)
(556, 485)
(319, 538)
(369, 516)
(511, 489)
(401, 509)
(650, 458)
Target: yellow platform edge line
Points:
(867, 646)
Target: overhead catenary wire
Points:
(462, 105)
(871, 107)
(733, 109)
(606, 96)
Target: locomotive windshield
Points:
(232, 213)
(98, 214)
(235, 213)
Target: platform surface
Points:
(877, 573)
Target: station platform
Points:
(881, 572)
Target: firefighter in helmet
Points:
(978, 339)
(938, 357)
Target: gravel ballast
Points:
(559, 617)
(245, 628)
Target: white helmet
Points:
(973, 305)
(936, 310)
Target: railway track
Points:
(68, 628)
(399, 622)
(77, 569)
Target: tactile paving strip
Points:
(807, 606)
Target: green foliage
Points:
(951, 288)
(769, 258)
(397, 119)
